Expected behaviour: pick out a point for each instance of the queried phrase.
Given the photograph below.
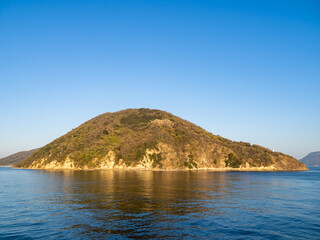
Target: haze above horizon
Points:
(248, 71)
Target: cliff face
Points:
(152, 139)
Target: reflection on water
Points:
(150, 204)
(133, 202)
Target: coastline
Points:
(225, 169)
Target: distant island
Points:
(16, 158)
(152, 139)
(312, 159)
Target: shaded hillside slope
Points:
(152, 139)
(16, 158)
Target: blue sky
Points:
(245, 70)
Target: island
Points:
(312, 159)
(16, 158)
(153, 139)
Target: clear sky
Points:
(245, 70)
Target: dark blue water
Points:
(38, 204)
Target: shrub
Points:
(233, 161)
(105, 132)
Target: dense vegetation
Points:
(175, 143)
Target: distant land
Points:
(153, 139)
(312, 159)
(16, 158)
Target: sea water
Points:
(124, 204)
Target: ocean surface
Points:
(39, 204)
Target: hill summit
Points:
(152, 139)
